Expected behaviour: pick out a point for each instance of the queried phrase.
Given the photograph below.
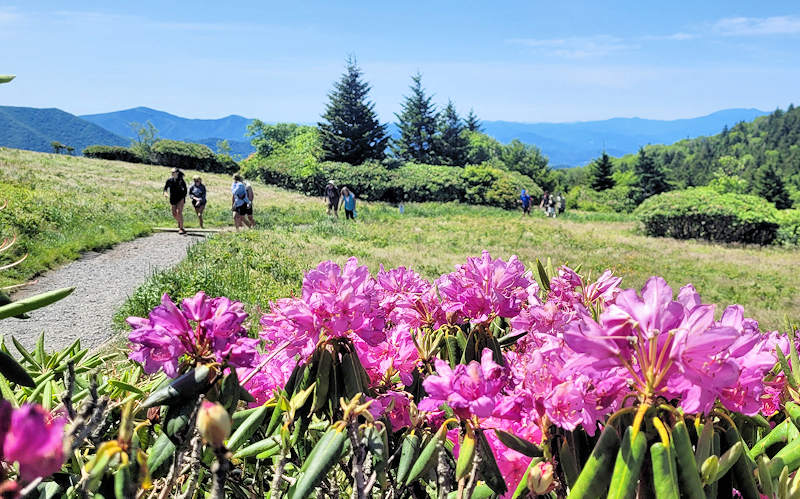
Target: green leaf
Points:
(184, 387)
(26, 354)
(126, 387)
(34, 302)
(543, 278)
(518, 444)
(14, 372)
(795, 360)
(488, 469)
(247, 428)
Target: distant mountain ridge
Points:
(34, 129)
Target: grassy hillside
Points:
(60, 206)
(259, 266)
(34, 129)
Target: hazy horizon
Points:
(512, 62)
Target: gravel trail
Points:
(103, 281)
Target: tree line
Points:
(350, 132)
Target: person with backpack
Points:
(545, 201)
(197, 193)
(239, 201)
(349, 202)
(551, 206)
(175, 190)
(248, 212)
(525, 199)
(332, 195)
(562, 204)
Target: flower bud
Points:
(708, 470)
(540, 478)
(214, 423)
(154, 414)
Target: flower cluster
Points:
(204, 330)
(32, 438)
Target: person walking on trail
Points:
(562, 204)
(332, 195)
(197, 193)
(525, 199)
(545, 201)
(175, 190)
(248, 212)
(551, 206)
(349, 202)
(239, 201)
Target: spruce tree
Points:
(351, 132)
(650, 178)
(473, 123)
(452, 146)
(601, 173)
(417, 124)
(769, 185)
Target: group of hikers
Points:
(241, 199)
(552, 204)
(340, 198)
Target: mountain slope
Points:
(169, 126)
(580, 142)
(34, 129)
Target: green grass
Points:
(61, 206)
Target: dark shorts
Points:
(248, 209)
(526, 208)
(333, 203)
(243, 210)
(349, 214)
(197, 205)
(176, 202)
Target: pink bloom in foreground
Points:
(35, 441)
(272, 375)
(471, 389)
(205, 329)
(483, 288)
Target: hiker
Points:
(248, 212)
(349, 202)
(332, 195)
(197, 193)
(525, 199)
(562, 204)
(551, 206)
(545, 201)
(177, 196)
(239, 201)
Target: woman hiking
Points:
(176, 187)
(197, 193)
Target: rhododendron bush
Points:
(494, 380)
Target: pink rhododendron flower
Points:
(35, 440)
(483, 289)
(471, 389)
(396, 355)
(272, 375)
(395, 405)
(205, 329)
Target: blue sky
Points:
(526, 61)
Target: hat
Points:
(196, 177)
(176, 170)
(330, 182)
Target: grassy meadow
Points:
(61, 206)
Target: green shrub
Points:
(614, 200)
(788, 227)
(114, 153)
(191, 156)
(481, 184)
(704, 213)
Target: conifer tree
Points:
(452, 146)
(472, 122)
(351, 132)
(768, 184)
(601, 173)
(417, 124)
(650, 178)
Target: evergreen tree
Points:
(768, 184)
(350, 131)
(417, 124)
(452, 145)
(601, 171)
(650, 178)
(473, 123)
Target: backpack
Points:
(241, 191)
(249, 191)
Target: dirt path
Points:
(103, 282)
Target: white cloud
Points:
(758, 26)
(679, 36)
(576, 47)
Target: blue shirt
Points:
(350, 202)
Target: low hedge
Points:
(614, 200)
(191, 156)
(115, 153)
(475, 184)
(703, 213)
(788, 227)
